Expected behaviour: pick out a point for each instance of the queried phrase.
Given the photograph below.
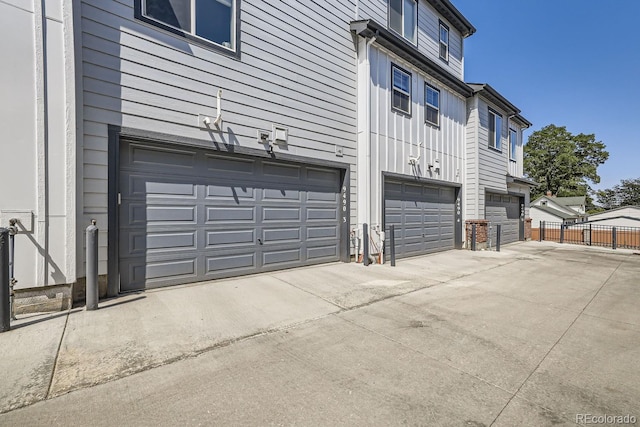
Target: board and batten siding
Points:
(428, 33)
(516, 168)
(395, 136)
(297, 68)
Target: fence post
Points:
(614, 238)
(473, 237)
(561, 233)
(365, 244)
(92, 267)
(5, 310)
(392, 249)
(590, 236)
(498, 232)
(542, 233)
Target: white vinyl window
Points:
(444, 42)
(513, 141)
(495, 130)
(431, 105)
(403, 18)
(211, 20)
(401, 90)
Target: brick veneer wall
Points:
(482, 229)
(527, 229)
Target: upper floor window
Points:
(431, 105)
(401, 89)
(403, 18)
(211, 21)
(513, 141)
(444, 42)
(495, 129)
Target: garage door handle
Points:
(260, 241)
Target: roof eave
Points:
(454, 16)
(490, 94)
(385, 38)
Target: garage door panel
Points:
(503, 210)
(204, 220)
(230, 237)
(423, 215)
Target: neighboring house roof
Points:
(617, 209)
(453, 15)
(558, 206)
(385, 38)
(631, 218)
(554, 212)
(571, 201)
(494, 96)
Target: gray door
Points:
(504, 210)
(423, 216)
(189, 215)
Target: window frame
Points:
(441, 43)
(427, 87)
(393, 88)
(497, 132)
(139, 14)
(401, 34)
(513, 144)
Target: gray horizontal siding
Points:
(297, 69)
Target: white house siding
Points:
(538, 215)
(618, 222)
(428, 33)
(38, 131)
(631, 211)
(297, 68)
(471, 162)
(395, 136)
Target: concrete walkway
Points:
(533, 335)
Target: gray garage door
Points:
(505, 210)
(189, 215)
(423, 216)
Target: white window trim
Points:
(191, 32)
(495, 143)
(401, 34)
(443, 26)
(427, 86)
(513, 145)
(394, 88)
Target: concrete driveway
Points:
(538, 334)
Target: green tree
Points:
(627, 193)
(563, 163)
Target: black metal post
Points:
(92, 267)
(614, 238)
(590, 236)
(473, 237)
(365, 244)
(542, 236)
(561, 233)
(392, 242)
(498, 233)
(5, 310)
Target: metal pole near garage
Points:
(365, 244)
(561, 233)
(473, 237)
(590, 236)
(92, 266)
(541, 231)
(5, 310)
(498, 233)
(614, 238)
(392, 242)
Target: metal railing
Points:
(589, 234)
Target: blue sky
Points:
(573, 63)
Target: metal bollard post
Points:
(365, 244)
(542, 233)
(5, 311)
(498, 233)
(561, 233)
(392, 240)
(590, 236)
(614, 238)
(92, 266)
(473, 237)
